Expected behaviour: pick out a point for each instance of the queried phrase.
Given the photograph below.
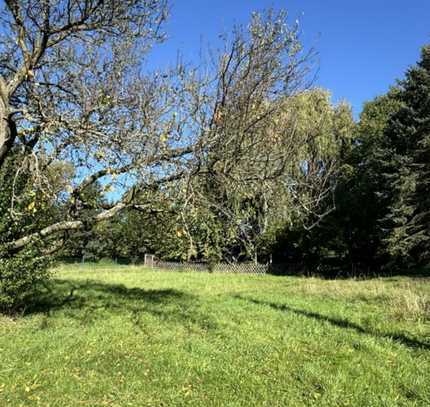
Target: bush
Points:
(21, 278)
(21, 274)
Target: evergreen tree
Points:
(407, 223)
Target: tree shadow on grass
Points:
(87, 301)
(342, 323)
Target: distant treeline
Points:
(375, 219)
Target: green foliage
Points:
(408, 145)
(382, 216)
(344, 197)
(352, 234)
(215, 218)
(157, 229)
(21, 274)
(86, 243)
(242, 221)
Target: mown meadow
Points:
(106, 335)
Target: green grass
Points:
(126, 336)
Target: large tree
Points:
(74, 89)
(64, 97)
(241, 221)
(408, 150)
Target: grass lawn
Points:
(126, 336)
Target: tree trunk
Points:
(7, 129)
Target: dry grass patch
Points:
(404, 300)
(410, 306)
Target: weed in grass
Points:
(44, 322)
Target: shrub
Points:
(21, 278)
(23, 273)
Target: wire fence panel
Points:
(176, 266)
(250, 268)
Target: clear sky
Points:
(363, 45)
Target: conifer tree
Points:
(407, 223)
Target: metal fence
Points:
(249, 268)
(151, 261)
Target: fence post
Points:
(149, 260)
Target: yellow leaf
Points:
(100, 155)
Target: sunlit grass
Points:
(125, 336)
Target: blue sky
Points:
(363, 45)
